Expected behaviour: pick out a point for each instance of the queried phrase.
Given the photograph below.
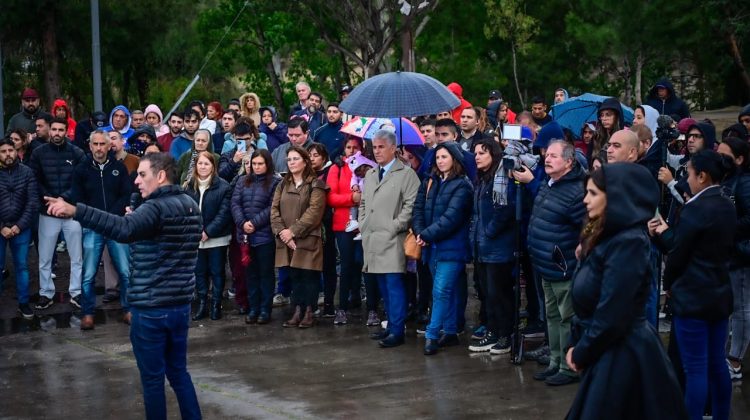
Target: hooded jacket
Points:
(161, 128)
(556, 221)
(84, 128)
(614, 105)
(651, 115)
(60, 103)
(277, 136)
(135, 146)
(245, 112)
(183, 164)
(18, 187)
(125, 131)
(457, 90)
(670, 106)
(442, 215)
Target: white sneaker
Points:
(384, 324)
(351, 225)
(735, 373)
(53, 275)
(321, 299)
(358, 237)
(280, 300)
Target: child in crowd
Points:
(359, 165)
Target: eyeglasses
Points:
(293, 159)
(695, 135)
(243, 138)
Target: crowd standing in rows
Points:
(299, 210)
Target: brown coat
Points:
(301, 210)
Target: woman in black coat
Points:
(696, 279)
(625, 372)
(213, 196)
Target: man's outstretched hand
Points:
(59, 208)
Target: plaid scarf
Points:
(520, 152)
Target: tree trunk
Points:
(734, 51)
(407, 50)
(628, 81)
(125, 86)
(50, 54)
(515, 75)
(278, 94)
(141, 80)
(638, 78)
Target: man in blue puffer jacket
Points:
(165, 231)
(554, 229)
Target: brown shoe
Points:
(127, 318)
(87, 322)
(308, 321)
(294, 320)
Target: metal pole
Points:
(96, 58)
(2, 96)
(184, 94)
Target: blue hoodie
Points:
(670, 106)
(125, 131)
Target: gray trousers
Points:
(49, 230)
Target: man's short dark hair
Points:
(162, 162)
(7, 141)
(62, 121)
(449, 123)
(316, 94)
(538, 100)
(330, 104)
(233, 113)
(298, 122)
(177, 114)
(46, 117)
(233, 102)
(427, 121)
(189, 113)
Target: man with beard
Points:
(175, 123)
(184, 141)
(312, 113)
(17, 209)
(30, 111)
(329, 134)
(53, 164)
(120, 120)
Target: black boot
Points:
(202, 310)
(215, 309)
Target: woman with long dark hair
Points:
(625, 372)
(738, 188)
(296, 220)
(696, 279)
(213, 196)
(251, 210)
(441, 216)
(493, 245)
(610, 119)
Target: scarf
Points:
(520, 153)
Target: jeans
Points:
(260, 278)
(559, 306)
(701, 344)
(740, 320)
(445, 278)
(392, 288)
(159, 338)
(93, 246)
(462, 298)
(305, 287)
(19, 249)
(211, 262)
(652, 304)
(497, 283)
(49, 230)
(284, 285)
(350, 254)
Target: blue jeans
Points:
(445, 279)
(211, 262)
(19, 248)
(260, 278)
(702, 350)
(394, 296)
(350, 253)
(284, 286)
(159, 338)
(93, 246)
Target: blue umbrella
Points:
(574, 112)
(399, 94)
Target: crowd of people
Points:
(595, 221)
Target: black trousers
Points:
(496, 282)
(305, 287)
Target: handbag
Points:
(411, 249)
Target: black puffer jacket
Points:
(106, 187)
(737, 189)
(20, 199)
(215, 208)
(53, 166)
(253, 203)
(165, 232)
(556, 222)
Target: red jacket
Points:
(60, 103)
(457, 90)
(340, 196)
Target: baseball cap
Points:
(495, 94)
(29, 93)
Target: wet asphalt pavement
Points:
(49, 368)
